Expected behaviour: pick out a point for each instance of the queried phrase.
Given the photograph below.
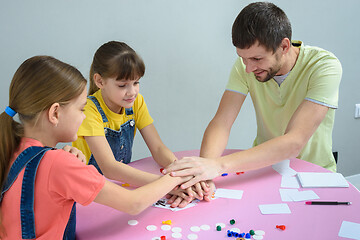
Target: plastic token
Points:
(165, 227)
(205, 227)
(256, 237)
(259, 232)
(176, 235)
(235, 230)
(222, 225)
(176, 229)
(133, 222)
(195, 229)
(151, 228)
(192, 236)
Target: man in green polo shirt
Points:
(294, 89)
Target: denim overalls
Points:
(120, 141)
(30, 159)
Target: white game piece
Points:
(257, 237)
(156, 238)
(176, 229)
(205, 227)
(176, 235)
(151, 228)
(222, 225)
(192, 236)
(259, 232)
(195, 229)
(235, 230)
(165, 227)
(133, 222)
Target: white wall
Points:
(187, 49)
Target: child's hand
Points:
(203, 190)
(211, 188)
(178, 198)
(76, 152)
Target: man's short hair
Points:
(263, 22)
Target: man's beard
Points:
(272, 70)
(270, 74)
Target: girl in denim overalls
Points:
(40, 184)
(114, 111)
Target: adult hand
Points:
(201, 168)
(76, 152)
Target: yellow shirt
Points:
(315, 77)
(93, 124)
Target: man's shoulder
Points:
(314, 52)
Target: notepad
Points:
(314, 180)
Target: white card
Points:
(283, 168)
(229, 193)
(286, 194)
(304, 195)
(350, 230)
(281, 208)
(289, 182)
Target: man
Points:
(294, 89)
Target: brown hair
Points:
(39, 82)
(115, 59)
(263, 22)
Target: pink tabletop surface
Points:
(261, 186)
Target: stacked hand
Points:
(200, 169)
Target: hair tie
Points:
(9, 111)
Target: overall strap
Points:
(30, 159)
(19, 163)
(97, 104)
(129, 111)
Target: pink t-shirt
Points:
(61, 179)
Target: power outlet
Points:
(357, 110)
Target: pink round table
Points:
(260, 187)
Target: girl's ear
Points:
(99, 81)
(53, 114)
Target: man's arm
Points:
(217, 133)
(301, 127)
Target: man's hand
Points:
(200, 168)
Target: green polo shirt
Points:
(315, 77)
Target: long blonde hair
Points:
(39, 82)
(116, 59)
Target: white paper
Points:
(286, 194)
(281, 208)
(284, 169)
(289, 182)
(350, 230)
(228, 193)
(313, 179)
(290, 195)
(304, 195)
